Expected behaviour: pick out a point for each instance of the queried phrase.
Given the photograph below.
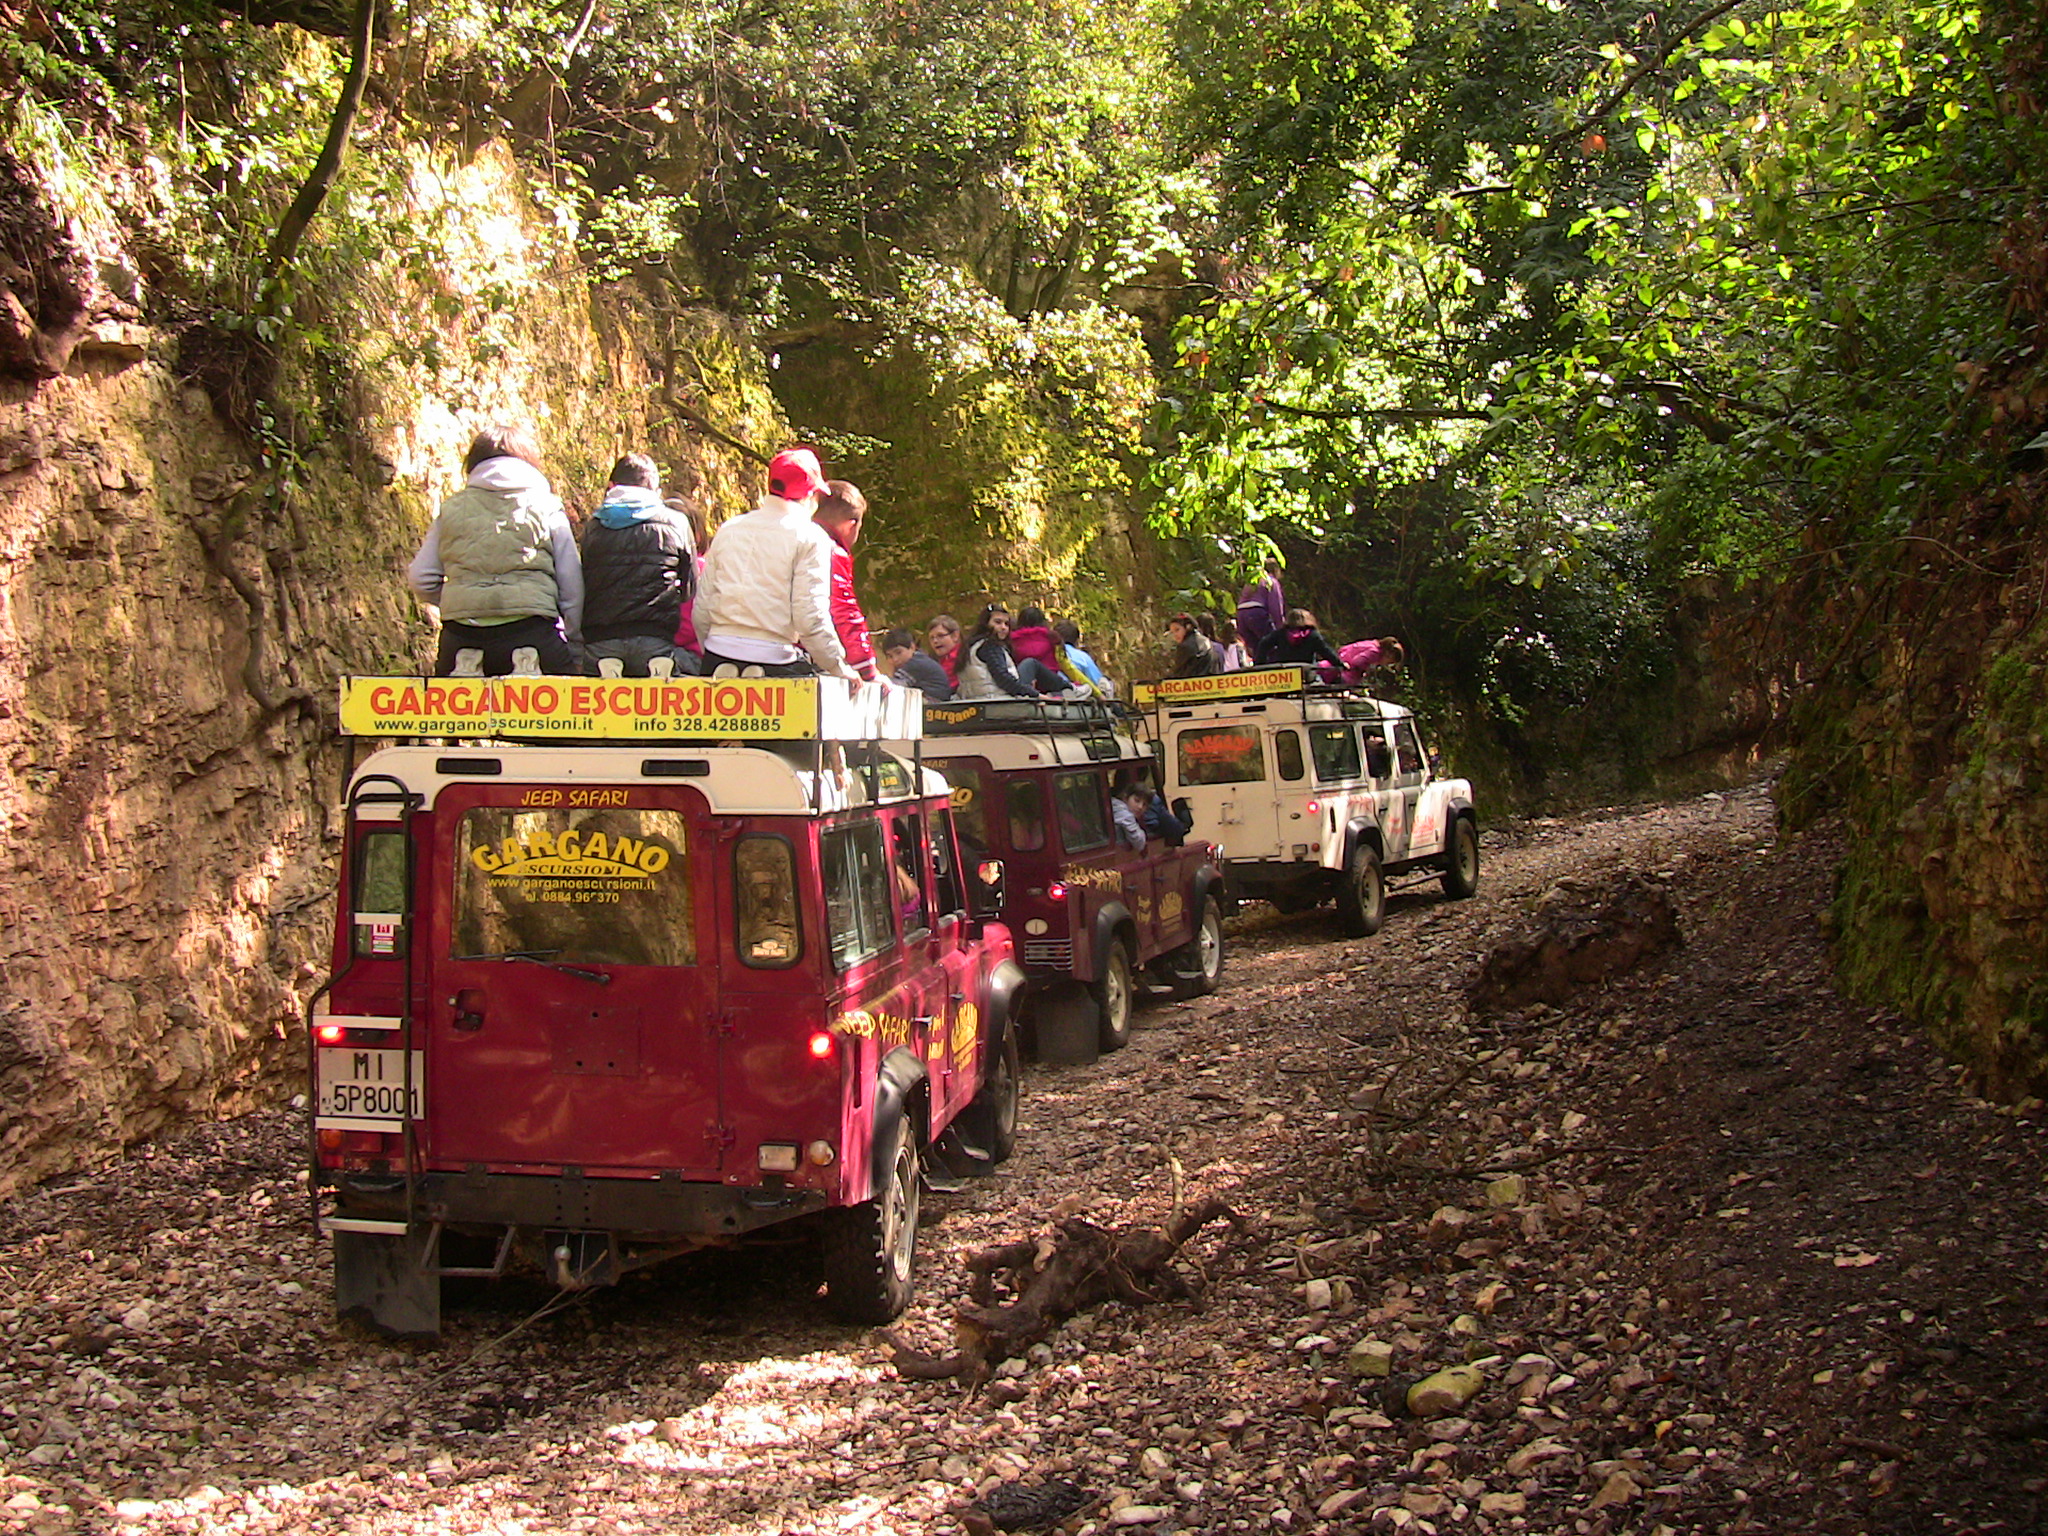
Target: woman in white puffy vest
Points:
(501, 564)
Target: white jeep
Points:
(1312, 791)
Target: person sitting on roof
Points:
(1037, 650)
(989, 670)
(841, 511)
(1077, 663)
(766, 597)
(501, 563)
(911, 668)
(1194, 653)
(639, 569)
(1361, 656)
(1298, 643)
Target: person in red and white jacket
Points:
(840, 513)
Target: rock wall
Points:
(170, 642)
(1936, 740)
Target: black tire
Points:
(1362, 898)
(1461, 860)
(1203, 958)
(870, 1249)
(1115, 992)
(1002, 1089)
(1291, 899)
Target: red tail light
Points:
(1057, 890)
(330, 1033)
(821, 1045)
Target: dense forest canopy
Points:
(1541, 318)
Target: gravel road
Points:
(1725, 1251)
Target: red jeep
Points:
(644, 966)
(1031, 787)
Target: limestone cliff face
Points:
(171, 640)
(1937, 742)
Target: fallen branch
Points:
(1075, 1266)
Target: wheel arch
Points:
(902, 1091)
(1362, 829)
(1112, 924)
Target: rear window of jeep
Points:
(1221, 754)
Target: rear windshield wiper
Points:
(542, 957)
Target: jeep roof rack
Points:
(1063, 717)
(1261, 683)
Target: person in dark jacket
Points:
(911, 668)
(1298, 643)
(1194, 653)
(639, 570)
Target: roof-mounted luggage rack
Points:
(1063, 717)
(1260, 683)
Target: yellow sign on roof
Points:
(1220, 685)
(629, 708)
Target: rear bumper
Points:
(648, 1209)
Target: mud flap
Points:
(1068, 1025)
(377, 1278)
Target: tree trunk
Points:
(285, 243)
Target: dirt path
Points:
(1768, 1267)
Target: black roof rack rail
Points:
(1062, 717)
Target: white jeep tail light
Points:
(778, 1157)
(821, 1154)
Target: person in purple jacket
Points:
(1260, 607)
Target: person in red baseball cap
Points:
(764, 605)
(796, 475)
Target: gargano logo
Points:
(573, 854)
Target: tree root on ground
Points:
(1075, 1266)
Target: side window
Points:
(1335, 748)
(1026, 798)
(1287, 754)
(858, 884)
(379, 900)
(1409, 745)
(1379, 757)
(908, 834)
(1221, 754)
(1083, 811)
(970, 806)
(764, 891)
(946, 878)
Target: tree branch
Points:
(285, 243)
(1650, 66)
(1382, 413)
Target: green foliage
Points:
(1743, 278)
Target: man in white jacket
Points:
(765, 598)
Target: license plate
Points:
(369, 1085)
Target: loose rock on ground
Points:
(1718, 1249)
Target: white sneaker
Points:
(662, 667)
(610, 666)
(469, 662)
(526, 661)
